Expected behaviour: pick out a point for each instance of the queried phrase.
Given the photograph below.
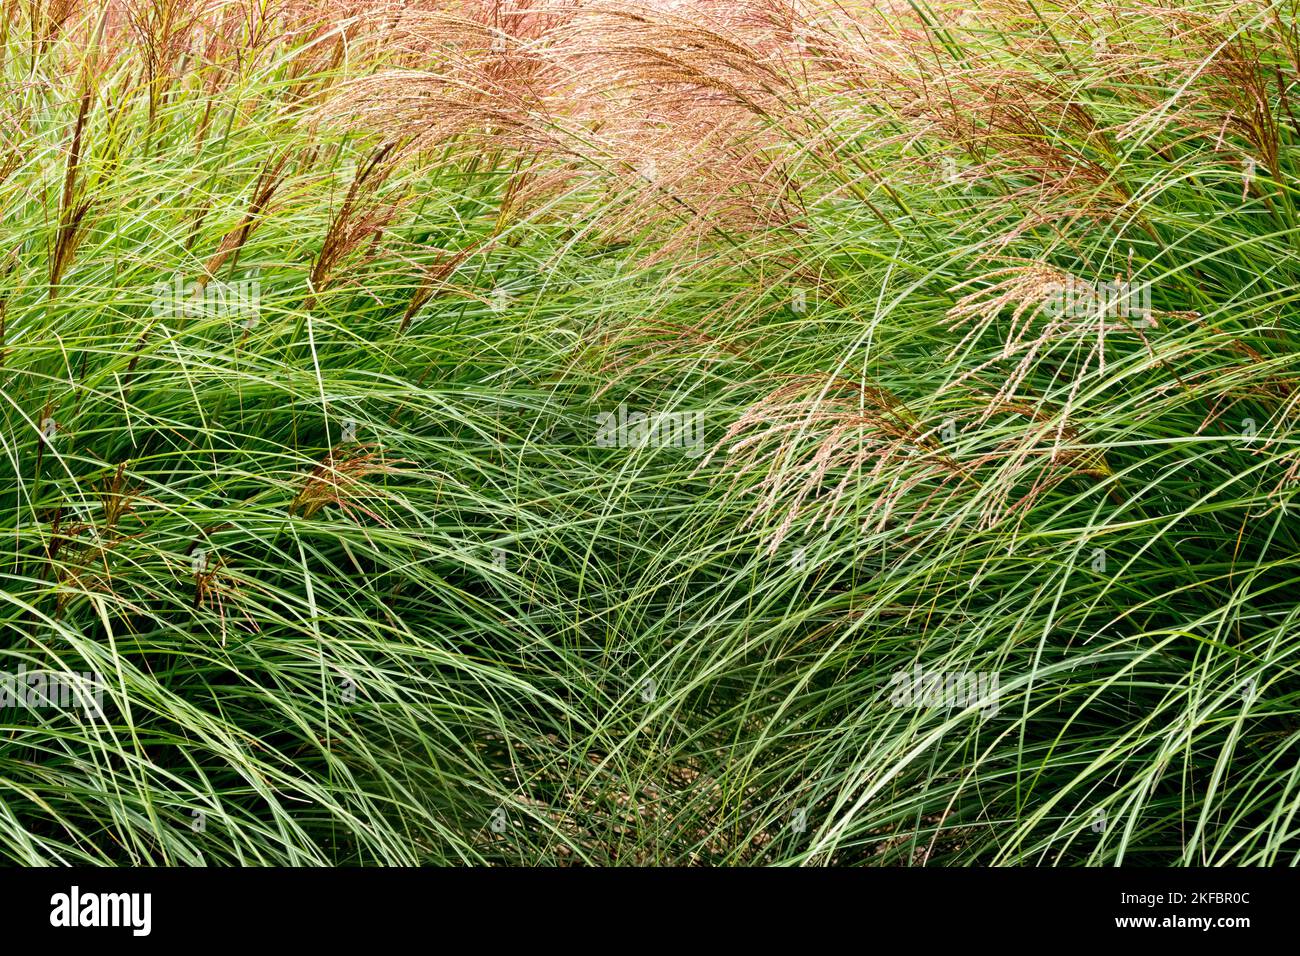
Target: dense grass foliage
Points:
(319, 326)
